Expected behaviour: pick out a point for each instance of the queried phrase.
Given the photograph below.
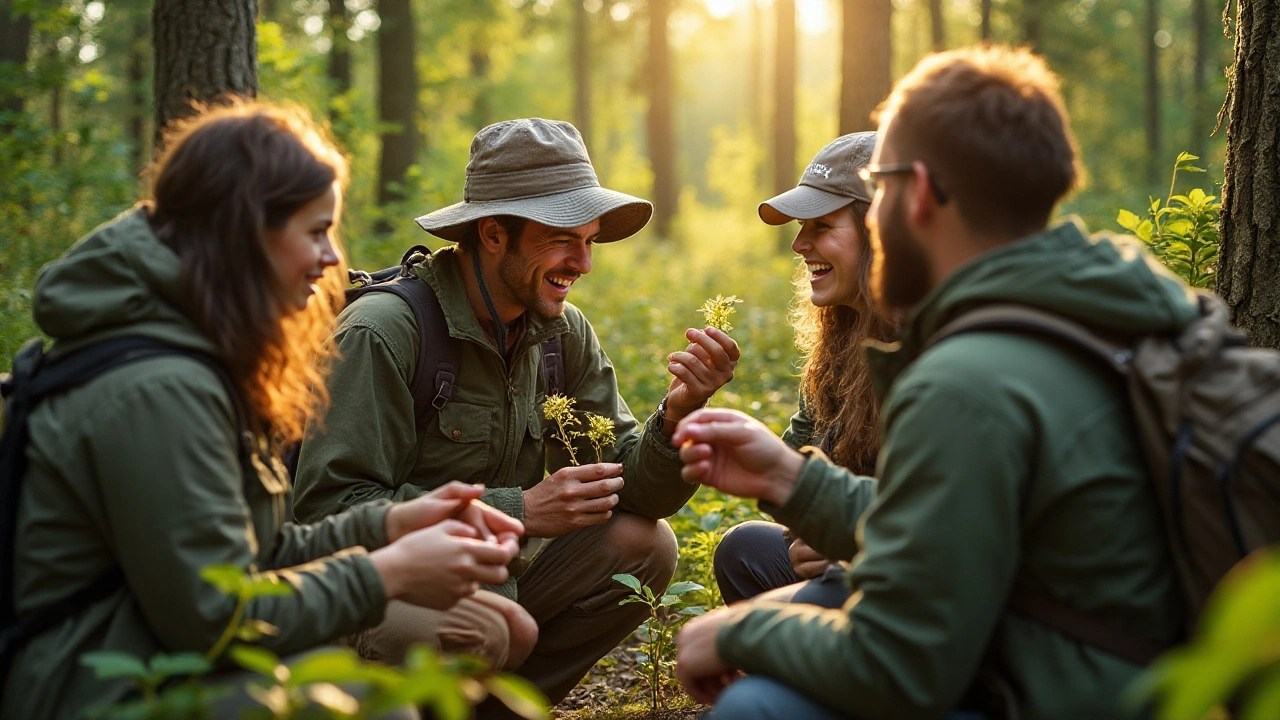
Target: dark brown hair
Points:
(511, 224)
(990, 125)
(835, 379)
(228, 176)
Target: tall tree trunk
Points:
(1249, 256)
(1151, 93)
(755, 70)
(1200, 61)
(339, 53)
(397, 99)
(662, 143)
(203, 49)
(937, 27)
(55, 121)
(1032, 16)
(15, 43)
(482, 104)
(582, 71)
(986, 20)
(866, 62)
(784, 94)
(135, 66)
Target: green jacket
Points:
(492, 430)
(138, 470)
(1005, 457)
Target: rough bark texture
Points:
(203, 49)
(662, 143)
(1249, 258)
(582, 71)
(937, 26)
(340, 53)
(1199, 103)
(1151, 94)
(865, 65)
(135, 66)
(397, 97)
(986, 20)
(784, 93)
(15, 43)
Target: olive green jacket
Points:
(139, 470)
(491, 431)
(1005, 457)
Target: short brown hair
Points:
(990, 125)
(511, 224)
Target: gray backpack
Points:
(1207, 409)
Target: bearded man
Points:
(525, 232)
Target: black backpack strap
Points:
(1082, 627)
(34, 379)
(553, 365)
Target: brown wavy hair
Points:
(226, 177)
(834, 378)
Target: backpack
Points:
(36, 377)
(438, 351)
(1206, 406)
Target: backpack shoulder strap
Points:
(1082, 627)
(1026, 319)
(553, 364)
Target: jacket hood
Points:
(1107, 282)
(119, 279)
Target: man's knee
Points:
(644, 547)
(470, 627)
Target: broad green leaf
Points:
(1263, 702)
(631, 599)
(332, 697)
(519, 695)
(228, 579)
(1197, 197)
(693, 610)
(1143, 231)
(668, 600)
(1185, 156)
(628, 580)
(1181, 226)
(681, 588)
(259, 660)
(648, 593)
(265, 585)
(108, 665)
(449, 704)
(180, 664)
(339, 665)
(1128, 220)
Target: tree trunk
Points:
(755, 71)
(268, 10)
(203, 49)
(15, 43)
(340, 52)
(582, 71)
(1249, 256)
(865, 66)
(135, 65)
(662, 144)
(937, 28)
(986, 20)
(1151, 106)
(397, 99)
(1199, 103)
(1031, 18)
(784, 94)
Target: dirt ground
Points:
(615, 690)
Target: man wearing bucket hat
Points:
(532, 210)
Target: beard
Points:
(899, 266)
(522, 282)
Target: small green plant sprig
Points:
(600, 432)
(1182, 230)
(667, 613)
(716, 311)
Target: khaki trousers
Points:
(568, 591)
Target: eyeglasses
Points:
(870, 176)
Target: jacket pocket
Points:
(458, 447)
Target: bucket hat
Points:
(539, 170)
(829, 182)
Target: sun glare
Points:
(720, 9)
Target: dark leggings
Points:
(752, 558)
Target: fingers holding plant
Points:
(572, 498)
(707, 364)
(737, 454)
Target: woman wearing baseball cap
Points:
(833, 314)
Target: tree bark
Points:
(662, 144)
(1031, 23)
(135, 66)
(866, 62)
(784, 94)
(15, 44)
(397, 99)
(1199, 103)
(755, 71)
(582, 71)
(1151, 93)
(985, 12)
(204, 49)
(340, 52)
(937, 28)
(1249, 255)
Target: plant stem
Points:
(216, 651)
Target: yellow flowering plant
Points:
(716, 311)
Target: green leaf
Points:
(628, 580)
(254, 630)
(265, 585)
(668, 600)
(110, 665)
(256, 659)
(648, 593)
(631, 599)
(332, 697)
(1143, 231)
(339, 665)
(180, 664)
(519, 695)
(1128, 220)
(228, 579)
(681, 588)
(693, 610)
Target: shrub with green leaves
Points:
(1182, 231)
(667, 612)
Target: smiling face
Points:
(832, 248)
(301, 250)
(538, 269)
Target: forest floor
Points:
(615, 690)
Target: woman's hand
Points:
(437, 566)
(807, 562)
(452, 500)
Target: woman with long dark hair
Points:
(832, 316)
(164, 465)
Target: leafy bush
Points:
(1182, 231)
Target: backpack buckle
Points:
(444, 384)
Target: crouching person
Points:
(525, 233)
(221, 285)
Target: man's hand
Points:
(437, 566)
(737, 454)
(806, 561)
(699, 371)
(572, 498)
(698, 665)
(452, 500)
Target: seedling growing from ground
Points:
(716, 311)
(666, 614)
(559, 410)
(600, 434)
